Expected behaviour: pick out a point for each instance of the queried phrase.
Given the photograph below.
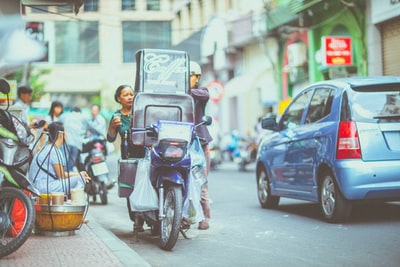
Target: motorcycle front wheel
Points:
(173, 216)
(17, 218)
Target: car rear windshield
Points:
(377, 104)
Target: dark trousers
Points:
(205, 204)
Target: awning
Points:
(245, 83)
(279, 16)
(298, 6)
(239, 85)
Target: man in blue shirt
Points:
(76, 126)
(24, 99)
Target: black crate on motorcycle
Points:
(126, 176)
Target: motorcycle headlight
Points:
(173, 149)
(173, 139)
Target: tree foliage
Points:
(36, 79)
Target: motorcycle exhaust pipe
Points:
(161, 214)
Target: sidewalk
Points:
(91, 245)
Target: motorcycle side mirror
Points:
(4, 87)
(206, 120)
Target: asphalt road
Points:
(243, 234)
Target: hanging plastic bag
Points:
(144, 197)
(198, 162)
(110, 148)
(192, 211)
(197, 154)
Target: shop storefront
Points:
(335, 43)
(386, 20)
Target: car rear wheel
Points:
(267, 201)
(334, 207)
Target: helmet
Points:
(194, 68)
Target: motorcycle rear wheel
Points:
(12, 238)
(103, 193)
(173, 200)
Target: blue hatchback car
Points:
(337, 142)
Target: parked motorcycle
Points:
(247, 152)
(230, 146)
(17, 213)
(161, 188)
(215, 155)
(96, 167)
(170, 168)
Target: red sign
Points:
(338, 50)
(216, 90)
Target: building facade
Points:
(383, 31)
(255, 55)
(93, 52)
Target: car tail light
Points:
(348, 145)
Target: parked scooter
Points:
(170, 169)
(247, 152)
(96, 167)
(230, 146)
(17, 213)
(215, 155)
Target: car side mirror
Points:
(269, 124)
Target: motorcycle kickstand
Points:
(184, 233)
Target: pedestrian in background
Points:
(98, 120)
(100, 123)
(24, 99)
(56, 109)
(77, 125)
(201, 97)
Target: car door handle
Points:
(317, 135)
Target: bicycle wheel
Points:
(17, 218)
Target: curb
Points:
(122, 251)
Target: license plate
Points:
(99, 168)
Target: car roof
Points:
(359, 82)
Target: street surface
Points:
(243, 234)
